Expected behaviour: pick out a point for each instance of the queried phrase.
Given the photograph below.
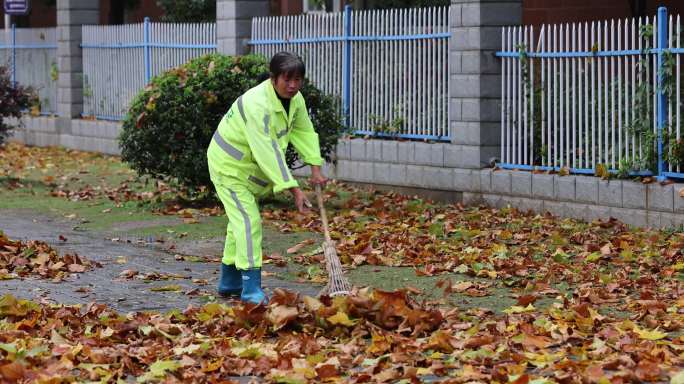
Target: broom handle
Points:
(324, 217)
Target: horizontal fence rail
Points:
(31, 55)
(389, 68)
(120, 60)
(593, 97)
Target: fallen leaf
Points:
(167, 288)
(340, 318)
(299, 246)
(650, 335)
(76, 268)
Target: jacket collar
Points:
(272, 97)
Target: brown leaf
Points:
(12, 371)
(128, 273)
(526, 300)
(462, 286)
(441, 341)
(76, 268)
(536, 341)
(299, 246)
(281, 315)
(386, 375)
(326, 371)
(647, 370)
(606, 249)
(139, 120)
(478, 341)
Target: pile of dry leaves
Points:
(38, 259)
(374, 337)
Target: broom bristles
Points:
(337, 283)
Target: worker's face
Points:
(287, 86)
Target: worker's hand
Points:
(301, 202)
(317, 177)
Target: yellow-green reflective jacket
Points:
(250, 142)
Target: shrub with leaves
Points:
(12, 101)
(171, 122)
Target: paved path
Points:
(104, 285)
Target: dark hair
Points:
(286, 63)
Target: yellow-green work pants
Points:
(243, 234)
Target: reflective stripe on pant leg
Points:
(229, 247)
(248, 229)
(244, 222)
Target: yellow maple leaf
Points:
(650, 335)
(340, 318)
(519, 309)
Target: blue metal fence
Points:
(120, 60)
(389, 68)
(579, 108)
(31, 55)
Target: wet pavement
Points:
(104, 285)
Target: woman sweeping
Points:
(246, 161)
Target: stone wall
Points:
(431, 167)
(85, 135)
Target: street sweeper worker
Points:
(246, 160)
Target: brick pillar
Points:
(475, 77)
(71, 16)
(234, 23)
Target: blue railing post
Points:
(346, 66)
(14, 55)
(662, 98)
(146, 47)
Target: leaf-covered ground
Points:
(372, 337)
(567, 301)
(36, 258)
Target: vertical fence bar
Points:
(504, 97)
(660, 90)
(146, 47)
(669, 101)
(544, 93)
(654, 78)
(612, 95)
(523, 86)
(573, 106)
(633, 63)
(553, 107)
(516, 101)
(593, 99)
(587, 132)
(606, 98)
(532, 123)
(14, 55)
(678, 105)
(509, 90)
(562, 84)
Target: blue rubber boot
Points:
(251, 287)
(230, 283)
